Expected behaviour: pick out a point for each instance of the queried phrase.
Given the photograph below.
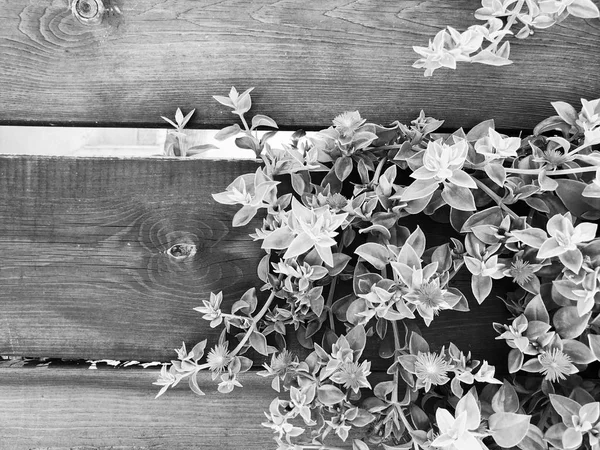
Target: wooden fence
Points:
(85, 270)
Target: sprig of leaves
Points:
(481, 43)
(176, 142)
(240, 105)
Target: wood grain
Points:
(309, 61)
(85, 271)
(80, 409)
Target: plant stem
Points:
(329, 303)
(511, 20)
(396, 349)
(234, 316)
(407, 425)
(245, 123)
(250, 330)
(496, 198)
(379, 169)
(554, 172)
(255, 320)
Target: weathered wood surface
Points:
(85, 271)
(85, 267)
(309, 61)
(80, 409)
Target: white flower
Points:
(555, 365)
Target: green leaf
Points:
(228, 132)
(565, 407)
(570, 192)
(244, 215)
(468, 404)
(248, 143)
(508, 429)
(298, 183)
(243, 103)
(417, 241)
(550, 124)
(259, 342)
(357, 339)
(481, 130)
(261, 120)
(490, 216)
(198, 351)
(343, 167)
(489, 58)
(419, 189)
(568, 323)
(595, 345)
(249, 298)
(359, 445)
(458, 197)
(585, 9)
(555, 433)
(566, 112)
(357, 306)
(481, 286)
(533, 440)
(226, 101)
(496, 173)
(316, 304)
(572, 439)
(534, 237)
(536, 310)
(201, 148)
(193, 381)
(578, 352)
(515, 360)
(506, 399)
(417, 344)
(330, 395)
(340, 261)
(375, 254)
(279, 239)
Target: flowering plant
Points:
(344, 265)
(483, 43)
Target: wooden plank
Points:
(85, 271)
(309, 61)
(80, 409)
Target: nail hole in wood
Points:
(182, 251)
(88, 11)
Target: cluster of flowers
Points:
(334, 209)
(451, 46)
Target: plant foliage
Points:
(335, 207)
(484, 43)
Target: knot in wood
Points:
(88, 12)
(182, 251)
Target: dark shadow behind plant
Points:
(527, 211)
